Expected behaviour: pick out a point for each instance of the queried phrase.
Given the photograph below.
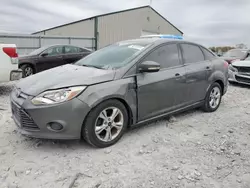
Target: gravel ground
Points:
(193, 149)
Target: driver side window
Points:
(58, 50)
(167, 56)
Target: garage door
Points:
(144, 32)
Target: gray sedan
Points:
(121, 85)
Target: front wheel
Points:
(213, 98)
(105, 124)
(27, 70)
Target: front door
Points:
(161, 91)
(197, 71)
(53, 58)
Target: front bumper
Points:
(34, 121)
(239, 78)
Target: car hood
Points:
(64, 76)
(241, 63)
(228, 58)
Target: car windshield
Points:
(113, 56)
(38, 51)
(235, 53)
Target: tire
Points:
(95, 122)
(27, 70)
(208, 107)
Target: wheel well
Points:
(33, 67)
(130, 114)
(221, 85)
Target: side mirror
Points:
(44, 54)
(149, 66)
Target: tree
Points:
(221, 49)
(212, 49)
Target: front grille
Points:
(23, 118)
(16, 112)
(243, 69)
(242, 79)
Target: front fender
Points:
(121, 89)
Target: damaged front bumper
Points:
(242, 78)
(59, 121)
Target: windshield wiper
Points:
(97, 67)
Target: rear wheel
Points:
(105, 124)
(213, 98)
(27, 70)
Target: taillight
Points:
(225, 64)
(10, 51)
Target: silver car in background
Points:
(122, 85)
(239, 71)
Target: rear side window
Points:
(167, 56)
(83, 50)
(192, 53)
(71, 49)
(208, 54)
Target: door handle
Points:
(208, 68)
(178, 76)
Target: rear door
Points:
(54, 58)
(197, 72)
(73, 54)
(161, 91)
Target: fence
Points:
(27, 43)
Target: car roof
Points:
(155, 41)
(54, 45)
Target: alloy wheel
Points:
(214, 98)
(28, 71)
(109, 124)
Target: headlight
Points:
(57, 96)
(231, 68)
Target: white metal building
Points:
(116, 26)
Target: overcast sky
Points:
(209, 22)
